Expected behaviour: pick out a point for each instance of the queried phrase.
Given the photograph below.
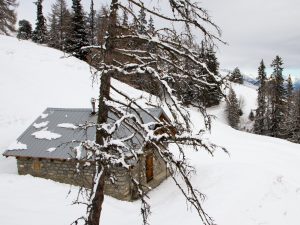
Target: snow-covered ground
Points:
(257, 184)
(247, 95)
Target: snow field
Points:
(258, 183)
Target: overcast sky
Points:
(253, 29)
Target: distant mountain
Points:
(247, 78)
(297, 84)
(250, 79)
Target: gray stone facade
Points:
(64, 171)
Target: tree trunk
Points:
(101, 135)
(95, 213)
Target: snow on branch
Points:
(122, 134)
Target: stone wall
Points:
(64, 171)
(57, 170)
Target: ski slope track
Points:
(258, 183)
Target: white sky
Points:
(254, 29)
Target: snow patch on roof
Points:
(44, 115)
(40, 125)
(45, 134)
(51, 149)
(67, 125)
(17, 146)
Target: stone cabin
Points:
(46, 150)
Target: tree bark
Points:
(101, 135)
(95, 213)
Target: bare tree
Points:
(60, 20)
(162, 66)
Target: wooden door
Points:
(36, 166)
(149, 167)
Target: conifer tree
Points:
(213, 95)
(151, 31)
(251, 116)
(289, 97)
(277, 98)
(8, 17)
(209, 55)
(233, 110)
(39, 35)
(151, 28)
(269, 105)
(102, 24)
(260, 118)
(78, 36)
(125, 19)
(288, 118)
(236, 76)
(188, 89)
(53, 35)
(25, 30)
(142, 22)
(289, 90)
(91, 24)
(295, 128)
(60, 18)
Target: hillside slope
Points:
(258, 183)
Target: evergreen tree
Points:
(277, 98)
(236, 76)
(295, 128)
(288, 119)
(289, 95)
(40, 33)
(151, 28)
(213, 95)
(188, 89)
(211, 60)
(260, 118)
(60, 20)
(102, 24)
(125, 19)
(270, 83)
(53, 35)
(91, 24)
(290, 89)
(8, 17)
(151, 31)
(78, 36)
(233, 110)
(25, 30)
(251, 116)
(142, 22)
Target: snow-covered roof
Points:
(51, 134)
